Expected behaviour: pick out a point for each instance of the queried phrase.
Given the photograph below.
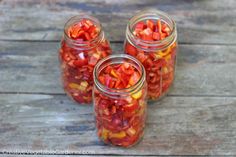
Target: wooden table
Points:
(198, 117)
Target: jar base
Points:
(77, 102)
(162, 96)
(120, 146)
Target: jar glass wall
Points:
(82, 46)
(120, 100)
(151, 37)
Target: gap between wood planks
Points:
(115, 42)
(32, 154)
(74, 154)
(120, 42)
(168, 95)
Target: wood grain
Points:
(196, 118)
(212, 22)
(32, 67)
(175, 126)
(54, 155)
(57, 155)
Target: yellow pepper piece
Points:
(113, 73)
(131, 131)
(168, 57)
(128, 86)
(167, 51)
(81, 88)
(165, 70)
(74, 85)
(96, 55)
(157, 54)
(78, 87)
(142, 105)
(105, 133)
(173, 45)
(137, 95)
(84, 84)
(119, 135)
(160, 54)
(106, 111)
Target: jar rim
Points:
(79, 43)
(151, 14)
(123, 91)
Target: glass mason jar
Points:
(82, 46)
(151, 37)
(120, 100)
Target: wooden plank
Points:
(53, 155)
(32, 67)
(62, 155)
(57, 155)
(175, 126)
(198, 21)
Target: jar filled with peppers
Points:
(120, 100)
(151, 37)
(82, 46)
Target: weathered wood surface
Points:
(70, 155)
(175, 126)
(196, 118)
(33, 67)
(61, 155)
(198, 21)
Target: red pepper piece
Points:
(84, 30)
(102, 79)
(147, 34)
(80, 62)
(159, 26)
(131, 50)
(151, 30)
(87, 36)
(131, 107)
(140, 26)
(77, 66)
(141, 57)
(156, 36)
(150, 24)
(108, 69)
(94, 59)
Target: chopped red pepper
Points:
(77, 64)
(139, 27)
(120, 121)
(83, 30)
(131, 50)
(155, 63)
(150, 24)
(114, 75)
(131, 107)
